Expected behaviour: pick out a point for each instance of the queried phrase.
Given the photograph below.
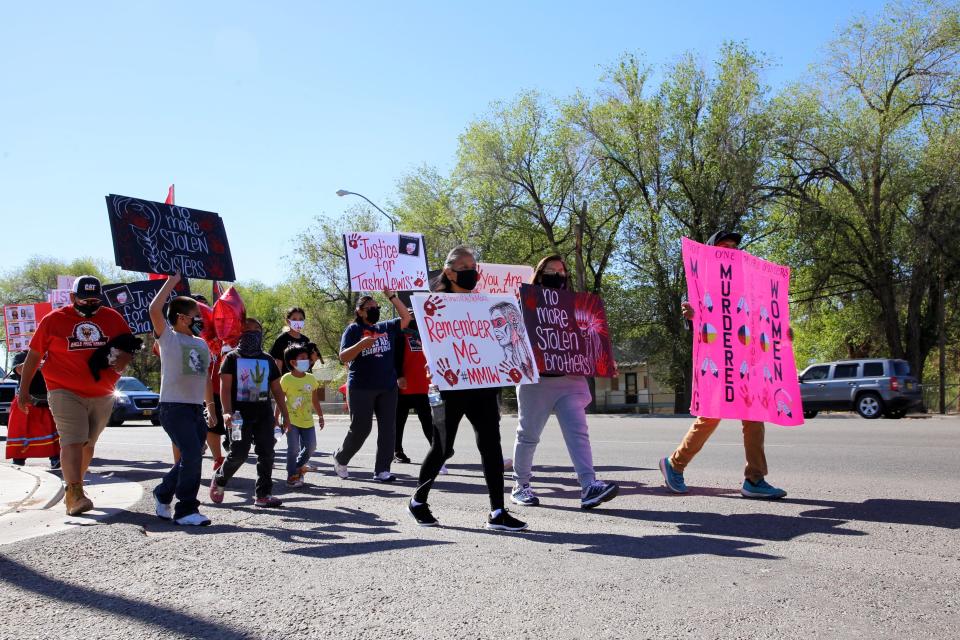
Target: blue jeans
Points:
(301, 443)
(187, 428)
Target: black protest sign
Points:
(132, 300)
(152, 237)
(568, 332)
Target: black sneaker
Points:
(421, 513)
(505, 522)
(401, 457)
(596, 493)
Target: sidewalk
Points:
(31, 501)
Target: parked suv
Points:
(8, 389)
(134, 400)
(870, 387)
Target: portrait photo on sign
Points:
(118, 296)
(409, 245)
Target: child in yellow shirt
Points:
(302, 392)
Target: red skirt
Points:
(32, 435)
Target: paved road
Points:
(865, 544)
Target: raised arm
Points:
(156, 305)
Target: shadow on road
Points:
(162, 618)
(945, 515)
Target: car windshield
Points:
(901, 368)
(131, 384)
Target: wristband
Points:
(392, 297)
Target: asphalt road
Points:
(866, 544)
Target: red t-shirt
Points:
(68, 339)
(414, 366)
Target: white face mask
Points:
(297, 325)
(303, 365)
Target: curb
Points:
(47, 488)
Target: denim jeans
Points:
(301, 443)
(187, 428)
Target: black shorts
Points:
(219, 428)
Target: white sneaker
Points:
(443, 470)
(164, 511)
(341, 469)
(194, 520)
(384, 476)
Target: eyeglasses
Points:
(499, 322)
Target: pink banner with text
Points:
(743, 364)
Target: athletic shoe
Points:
(508, 464)
(217, 463)
(421, 513)
(54, 463)
(163, 511)
(310, 467)
(671, 478)
(194, 520)
(401, 457)
(216, 492)
(522, 494)
(267, 501)
(444, 471)
(761, 489)
(341, 469)
(384, 476)
(294, 481)
(596, 493)
(503, 521)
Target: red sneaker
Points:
(216, 492)
(218, 462)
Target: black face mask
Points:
(87, 310)
(467, 279)
(196, 327)
(373, 316)
(553, 280)
(251, 343)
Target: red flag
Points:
(216, 291)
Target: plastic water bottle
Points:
(437, 408)
(236, 424)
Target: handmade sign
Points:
(20, 323)
(59, 297)
(152, 237)
(501, 279)
(568, 332)
(132, 301)
(395, 261)
(474, 340)
(65, 282)
(743, 364)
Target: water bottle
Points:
(236, 425)
(437, 408)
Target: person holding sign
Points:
(480, 406)
(86, 346)
(367, 349)
(568, 397)
(672, 467)
(184, 387)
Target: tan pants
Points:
(79, 420)
(702, 428)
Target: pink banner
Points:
(743, 364)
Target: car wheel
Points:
(810, 415)
(869, 406)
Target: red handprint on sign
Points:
(745, 394)
(512, 372)
(433, 305)
(765, 397)
(443, 368)
(353, 240)
(419, 281)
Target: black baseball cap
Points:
(86, 287)
(724, 235)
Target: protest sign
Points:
(474, 340)
(743, 364)
(395, 261)
(20, 323)
(65, 282)
(568, 332)
(59, 297)
(132, 301)
(152, 237)
(501, 279)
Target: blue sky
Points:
(261, 111)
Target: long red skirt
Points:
(32, 435)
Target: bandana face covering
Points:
(251, 343)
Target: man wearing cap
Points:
(80, 393)
(754, 485)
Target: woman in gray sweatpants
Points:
(567, 397)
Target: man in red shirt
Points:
(80, 402)
(411, 364)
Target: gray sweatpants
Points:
(568, 397)
(364, 403)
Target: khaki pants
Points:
(79, 420)
(701, 430)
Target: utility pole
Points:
(942, 329)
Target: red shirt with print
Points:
(414, 366)
(68, 339)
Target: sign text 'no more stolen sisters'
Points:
(743, 364)
(376, 261)
(153, 237)
(474, 340)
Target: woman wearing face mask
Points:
(567, 397)
(367, 349)
(296, 319)
(480, 406)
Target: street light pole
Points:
(344, 192)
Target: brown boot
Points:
(76, 500)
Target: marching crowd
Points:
(240, 394)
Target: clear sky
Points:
(262, 110)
